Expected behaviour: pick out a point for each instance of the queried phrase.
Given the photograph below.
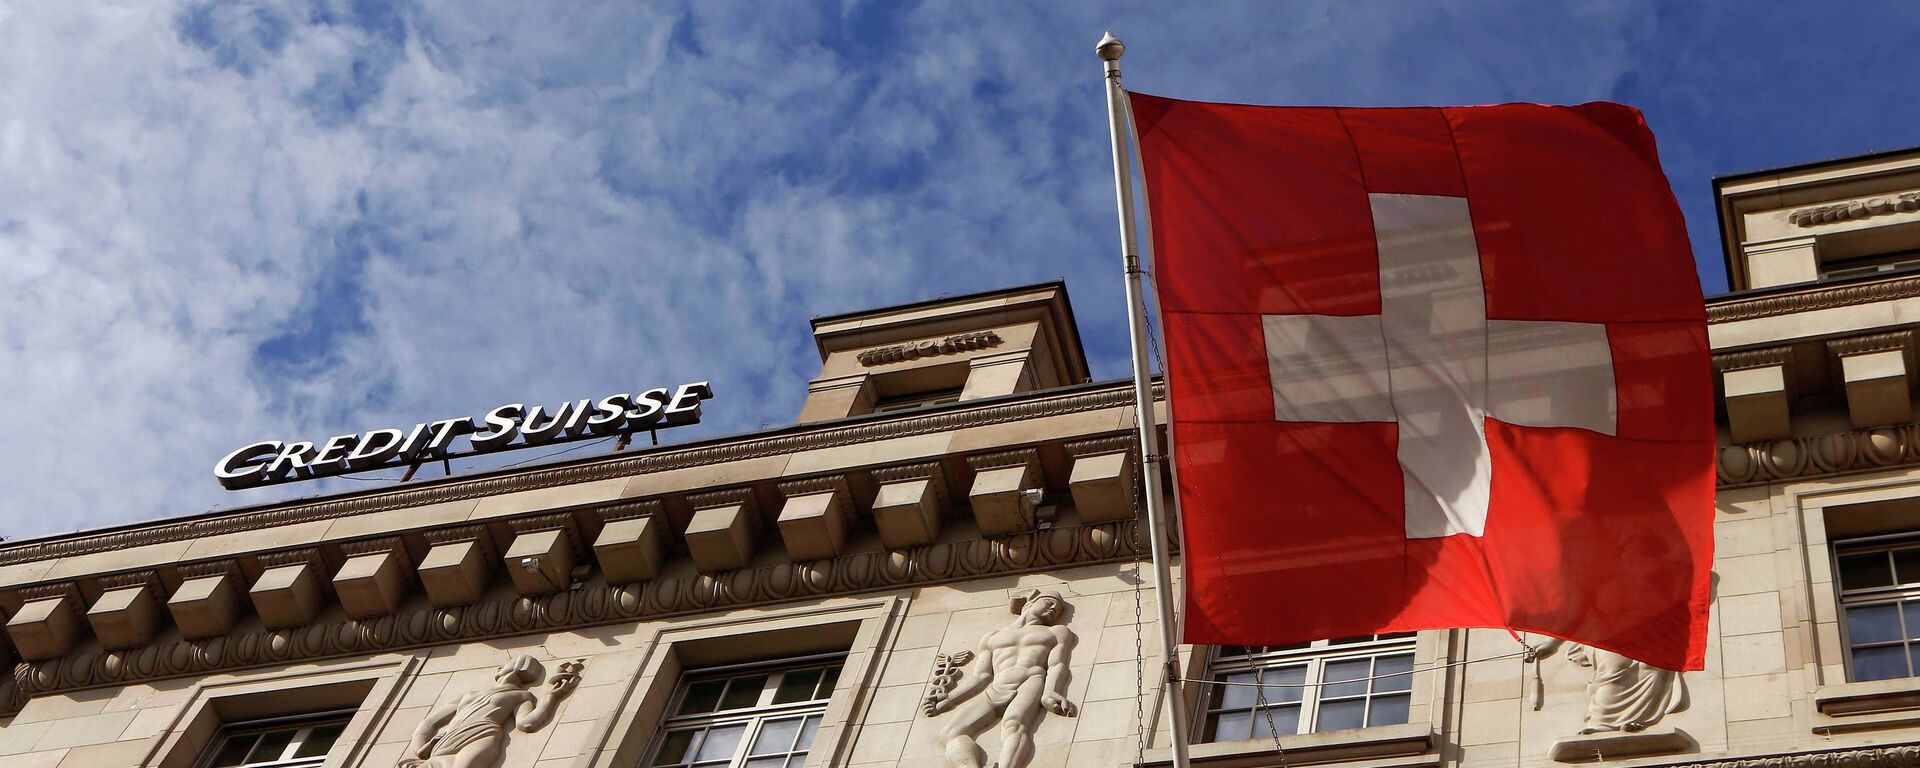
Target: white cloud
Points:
(275, 220)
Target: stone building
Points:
(941, 563)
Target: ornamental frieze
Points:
(1807, 457)
(596, 604)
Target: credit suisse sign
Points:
(507, 427)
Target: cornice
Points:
(589, 605)
(1039, 406)
(1812, 299)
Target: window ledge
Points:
(1872, 704)
(1374, 745)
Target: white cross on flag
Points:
(1438, 367)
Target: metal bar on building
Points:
(1110, 51)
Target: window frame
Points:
(302, 726)
(1897, 593)
(757, 716)
(1314, 658)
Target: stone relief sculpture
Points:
(472, 731)
(1018, 674)
(1624, 695)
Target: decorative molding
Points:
(50, 591)
(202, 570)
(913, 350)
(374, 546)
(1019, 458)
(1813, 299)
(1753, 358)
(1901, 756)
(1807, 457)
(822, 484)
(1873, 342)
(906, 472)
(589, 605)
(630, 510)
(147, 579)
(282, 558)
(1115, 395)
(556, 521)
(1103, 445)
(1855, 210)
(726, 498)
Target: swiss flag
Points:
(1429, 368)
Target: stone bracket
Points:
(375, 578)
(724, 528)
(207, 602)
(816, 517)
(1758, 383)
(49, 621)
(127, 613)
(1001, 498)
(631, 546)
(1105, 472)
(458, 566)
(291, 589)
(540, 559)
(1877, 371)
(910, 504)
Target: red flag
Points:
(1429, 368)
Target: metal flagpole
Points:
(1110, 50)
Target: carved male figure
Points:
(1624, 695)
(471, 732)
(1019, 671)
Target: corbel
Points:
(1103, 478)
(540, 559)
(724, 528)
(631, 546)
(291, 589)
(458, 566)
(1876, 370)
(49, 621)
(910, 504)
(815, 517)
(1758, 384)
(127, 613)
(207, 602)
(375, 577)
(1005, 491)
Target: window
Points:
(1325, 685)
(281, 744)
(1880, 595)
(751, 717)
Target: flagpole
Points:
(1110, 50)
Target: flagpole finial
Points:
(1110, 48)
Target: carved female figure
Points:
(471, 732)
(1624, 695)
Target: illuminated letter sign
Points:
(507, 427)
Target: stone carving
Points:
(594, 604)
(1832, 213)
(1018, 674)
(472, 731)
(1624, 695)
(947, 671)
(913, 350)
(1818, 455)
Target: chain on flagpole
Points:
(1110, 50)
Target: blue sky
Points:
(223, 222)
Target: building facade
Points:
(942, 564)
